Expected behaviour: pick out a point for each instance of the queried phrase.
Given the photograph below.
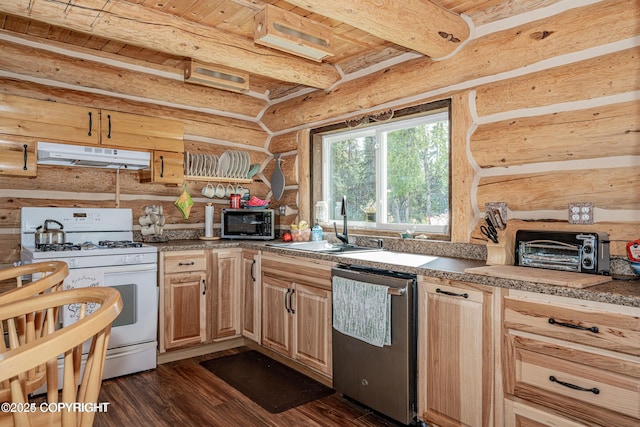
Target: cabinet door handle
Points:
(452, 294)
(161, 166)
(204, 286)
(90, 123)
(109, 126)
(186, 263)
(286, 301)
(24, 168)
(291, 301)
(593, 390)
(593, 329)
(253, 277)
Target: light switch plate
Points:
(580, 213)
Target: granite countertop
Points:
(620, 291)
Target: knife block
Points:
(502, 253)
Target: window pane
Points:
(352, 172)
(418, 174)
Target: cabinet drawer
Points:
(185, 263)
(594, 327)
(575, 386)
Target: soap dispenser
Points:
(316, 232)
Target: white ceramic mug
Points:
(148, 230)
(145, 220)
(230, 190)
(239, 189)
(209, 190)
(220, 191)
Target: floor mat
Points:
(269, 383)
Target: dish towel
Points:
(362, 310)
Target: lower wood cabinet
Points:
(576, 358)
(251, 295)
(199, 297)
(223, 302)
(518, 414)
(456, 353)
(183, 299)
(296, 310)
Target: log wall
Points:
(545, 112)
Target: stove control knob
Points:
(126, 259)
(73, 262)
(139, 259)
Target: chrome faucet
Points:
(344, 237)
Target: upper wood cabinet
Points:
(49, 120)
(456, 353)
(17, 156)
(166, 168)
(134, 131)
(55, 121)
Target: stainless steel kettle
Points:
(45, 236)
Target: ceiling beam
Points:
(144, 27)
(416, 24)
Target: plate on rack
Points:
(223, 164)
(253, 169)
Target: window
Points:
(395, 175)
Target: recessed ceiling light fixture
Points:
(292, 33)
(215, 76)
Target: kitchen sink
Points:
(323, 246)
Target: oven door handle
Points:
(126, 268)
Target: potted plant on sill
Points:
(370, 212)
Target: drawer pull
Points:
(180, 264)
(593, 390)
(593, 329)
(452, 294)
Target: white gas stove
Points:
(100, 251)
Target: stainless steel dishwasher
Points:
(382, 378)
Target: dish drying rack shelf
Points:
(218, 179)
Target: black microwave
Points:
(255, 224)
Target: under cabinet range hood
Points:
(97, 157)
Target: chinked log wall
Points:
(544, 114)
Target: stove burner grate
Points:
(56, 247)
(112, 244)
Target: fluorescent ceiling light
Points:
(215, 76)
(292, 33)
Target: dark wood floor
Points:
(183, 393)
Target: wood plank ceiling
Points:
(113, 27)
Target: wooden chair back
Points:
(45, 277)
(46, 340)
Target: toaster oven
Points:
(561, 250)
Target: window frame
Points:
(405, 118)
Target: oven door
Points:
(137, 284)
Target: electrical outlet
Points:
(580, 213)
